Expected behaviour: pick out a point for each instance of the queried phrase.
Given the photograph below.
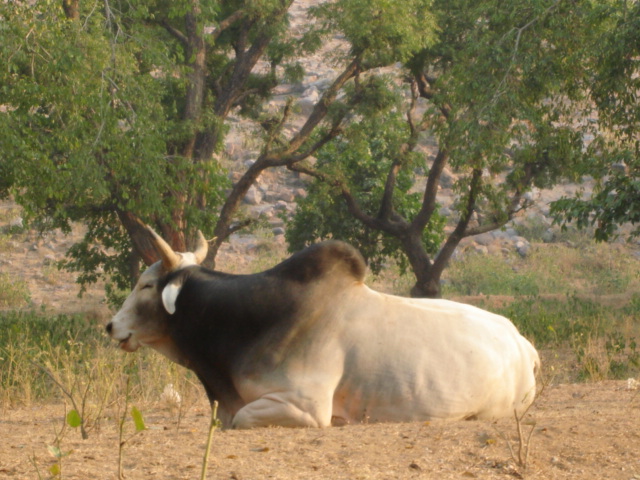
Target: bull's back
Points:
(409, 359)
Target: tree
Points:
(499, 96)
(114, 113)
(113, 110)
(613, 156)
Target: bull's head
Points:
(142, 318)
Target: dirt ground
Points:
(586, 431)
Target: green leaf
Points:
(54, 469)
(55, 451)
(137, 419)
(74, 420)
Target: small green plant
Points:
(56, 469)
(56, 451)
(51, 273)
(214, 424)
(138, 422)
(13, 293)
(74, 417)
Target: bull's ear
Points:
(170, 295)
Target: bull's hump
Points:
(320, 259)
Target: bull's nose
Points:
(109, 327)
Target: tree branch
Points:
(177, 34)
(425, 87)
(321, 108)
(514, 205)
(385, 225)
(445, 253)
(227, 22)
(386, 204)
(430, 192)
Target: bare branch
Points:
(322, 107)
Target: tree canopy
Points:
(613, 154)
(502, 93)
(114, 113)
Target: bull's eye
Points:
(148, 285)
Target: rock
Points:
(263, 211)
(619, 167)
(445, 212)
(548, 236)
(523, 247)
(484, 239)
(495, 249)
(235, 176)
(278, 231)
(253, 196)
(301, 193)
(506, 234)
(447, 178)
(283, 206)
(479, 249)
(308, 101)
(285, 196)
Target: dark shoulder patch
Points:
(316, 260)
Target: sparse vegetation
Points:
(46, 357)
(591, 269)
(14, 293)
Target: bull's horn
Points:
(202, 248)
(170, 259)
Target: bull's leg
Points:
(277, 409)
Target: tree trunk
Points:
(140, 238)
(427, 280)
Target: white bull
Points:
(306, 343)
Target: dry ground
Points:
(586, 431)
